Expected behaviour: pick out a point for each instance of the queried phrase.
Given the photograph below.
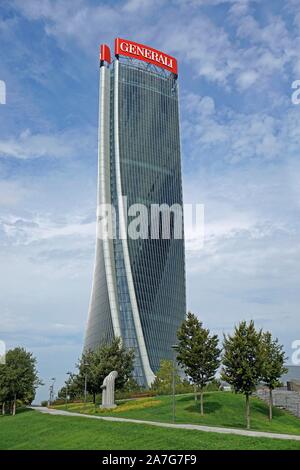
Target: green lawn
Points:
(33, 430)
(221, 409)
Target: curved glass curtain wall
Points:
(151, 174)
(126, 315)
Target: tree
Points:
(19, 379)
(163, 382)
(198, 353)
(242, 361)
(131, 386)
(4, 392)
(273, 365)
(88, 367)
(72, 388)
(96, 365)
(115, 356)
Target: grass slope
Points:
(221, 409)
(33, 430)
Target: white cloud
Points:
(40, 228)
(199, 3)
(240, 52)
(11, 193)
(213, 52)
(235, 136)
(73, 21)
(10, 323)
(136, 6)
(251, 220)
(246, 79)
(68, 143)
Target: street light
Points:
(85, 365)
(174, 348)
(69, 374)
(51, 392)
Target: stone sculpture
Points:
(108, 390)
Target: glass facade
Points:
(143, 156)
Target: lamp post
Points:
(51, 392)
(85, 382)
(174, 348)
(50, 395)
(67, 381)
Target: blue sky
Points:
(240, 141)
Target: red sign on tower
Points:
(105, 53)
(145, 53)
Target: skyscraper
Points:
(138, 290)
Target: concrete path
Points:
(194, 427)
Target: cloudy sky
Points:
(240, 142)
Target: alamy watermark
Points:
(153, 221)
(296, 353)
(2, 352)
(296, 94)
(2, 92)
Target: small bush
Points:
(59, 401)
(214, 386)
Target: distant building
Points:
(292, 374)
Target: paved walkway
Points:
(194, 427)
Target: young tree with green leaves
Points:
(94, 366)
(163, 382)
(71, 389)
(198, 353)
(88, 368)
(4, 391)
(242, 361)
(273, 365)
(116, 356)
(18, 378)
